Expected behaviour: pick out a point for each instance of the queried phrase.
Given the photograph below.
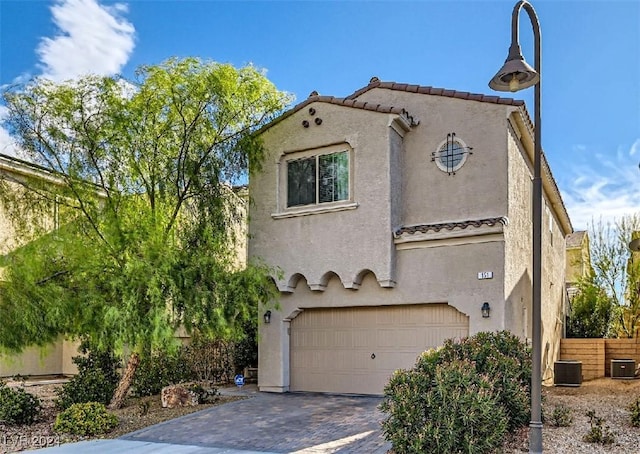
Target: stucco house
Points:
(54, 359)
(578, 259)
(396, 215)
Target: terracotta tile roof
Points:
(377, 83)
(424, 228)
(574, 240)
(370, 106)
(359, 105)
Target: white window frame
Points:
(285, 211)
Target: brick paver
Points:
(279, 423)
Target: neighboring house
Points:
(395, 214)
(578, 259)
(54, 359)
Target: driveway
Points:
(300, 423)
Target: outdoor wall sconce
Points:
(486, 310)
(267, 317)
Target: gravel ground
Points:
(137, 414)
(608, 398)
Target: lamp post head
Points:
(515, 74)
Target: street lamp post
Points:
(516, 75)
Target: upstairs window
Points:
(451, 154)
(318, 179)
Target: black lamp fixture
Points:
(486, 310)
(267, 317)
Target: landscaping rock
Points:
(178, 396)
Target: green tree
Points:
(617, 272)
(140, 177)
(591, 310)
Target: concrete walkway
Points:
(300, 423)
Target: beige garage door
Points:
(356, 349)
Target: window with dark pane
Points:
(333, 176)
(451, 154)
(301, 182)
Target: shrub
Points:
(634, 408)
(205, 394)
(245, 351)
(158, 370)
(562, 416)
(17, 406)
(212, 360)
(459, 413)
(485, 395)
(90, 418)
(507, 360)
(96, 380)
(597, 433)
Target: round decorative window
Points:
(451, 154)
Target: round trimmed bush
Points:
(17, 406)
(462, 397)
(459, 413)
(503, 357)
(90, 418)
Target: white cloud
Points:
(8, 144)
(605, 188)
(92, 39)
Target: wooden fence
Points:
(596, 354)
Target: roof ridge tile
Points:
(436, 91)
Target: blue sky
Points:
(590, 51)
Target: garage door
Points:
(356, 349)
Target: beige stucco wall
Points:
(518, 259)
(442, 273)
(54, 359)
(324, 252)
(553, 289)
(479, 189)
(578, 262)
(518, 274)
(304, 243)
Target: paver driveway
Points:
(300, 423)
(279, 423)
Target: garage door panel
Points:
(331, 349)
(363, 339)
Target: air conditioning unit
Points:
(623, 368)
(567, 373)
